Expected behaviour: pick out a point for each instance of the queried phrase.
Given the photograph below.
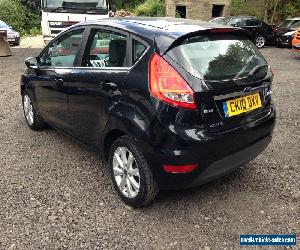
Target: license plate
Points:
(242, 105)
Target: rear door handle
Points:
(107, 85)
(59, 82)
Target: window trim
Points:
(129, 35)
(133, 37)
(85, 44)
(66, 32)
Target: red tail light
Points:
(167, 85)
(182, 169)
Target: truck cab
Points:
(57, 15)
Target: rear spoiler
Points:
(165, 41)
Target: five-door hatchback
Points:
(169, 103)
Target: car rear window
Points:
(218, 56)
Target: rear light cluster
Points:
(168, 86)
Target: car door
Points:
(267, 30)
(97, 81)
(253, 25)
(55, 68)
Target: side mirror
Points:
(32, 62)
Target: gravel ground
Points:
(32, 42)
(55, 193)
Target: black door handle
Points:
(108, 85)
(59, 82)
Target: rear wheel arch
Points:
(109, 139)
(119, 125)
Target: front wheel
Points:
(131, 174)
(260, 41)
(33, 119)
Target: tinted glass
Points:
(63, 51)
(251, 22)
(137, 50)
(105, 49)
(218, 57)
(235, 22)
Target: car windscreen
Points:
(288, 23)
(75, 4)
(295, 25)
(3, 25)
(221, 20)
(218, 56)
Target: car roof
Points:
(162, 30)
(245, 17)
(151, 23)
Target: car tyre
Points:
(130, 172)
(260, 41)
(33, 119)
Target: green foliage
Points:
(128, 4)
(13, 13)
(19, 17)
(236, 6)
(151, 8)
(290, 8)
(34, 31)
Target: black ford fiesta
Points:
(168, 103)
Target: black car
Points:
(285, 32)
(261, 32)
(169, 103)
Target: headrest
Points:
(117, 52)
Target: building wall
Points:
(196, 9)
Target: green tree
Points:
(151, 8)
(13, 13)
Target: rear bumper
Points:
(216, 155)
(231, 162)
(15, 40)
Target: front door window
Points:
(62, 52)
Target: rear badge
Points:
(206, 111)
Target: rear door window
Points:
(105, 49)
(217, 56)
(252, 22)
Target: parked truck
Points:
(58, 15)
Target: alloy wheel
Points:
(126, 172)
(28, 109)
(260, 41)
